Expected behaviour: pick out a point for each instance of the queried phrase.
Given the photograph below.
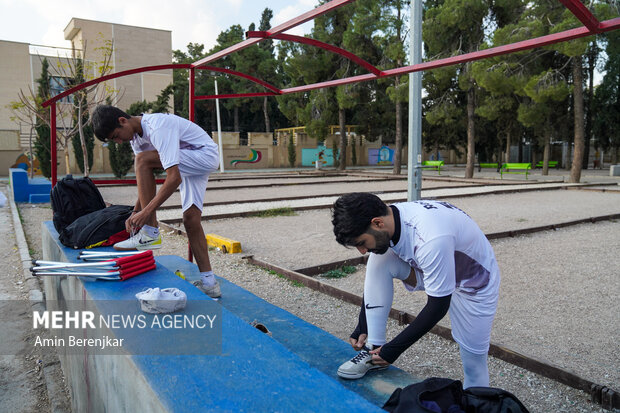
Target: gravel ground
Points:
(545, 310)
(280, 189)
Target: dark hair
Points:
(352, 214)
(105, 120)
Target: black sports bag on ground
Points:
(72, 198)
(95, 227)
(444, 395)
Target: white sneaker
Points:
(213, 291)
(141, 241)
(165, 300)
(358, 366)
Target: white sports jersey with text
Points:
(449, 252)
(168, 134)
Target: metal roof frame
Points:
(591, 26)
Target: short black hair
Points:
(105, 120)
(352, 213)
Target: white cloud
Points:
(199, 21)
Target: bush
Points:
(42, 148)
(292, 154)
(121, 158)
(335, 154)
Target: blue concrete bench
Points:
(294, 370)
(33, 190)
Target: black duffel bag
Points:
(95, 227)
(444, 395)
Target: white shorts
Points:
(471, 317)
(195, 167)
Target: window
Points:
(58, 85)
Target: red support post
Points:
(192, 90)
(53, 143)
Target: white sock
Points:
(208, 278)
(152, 232)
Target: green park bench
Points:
(487, 165)
(515, 168)
(552, 164)
(433, 165)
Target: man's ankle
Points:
(152, 232)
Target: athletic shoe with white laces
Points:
(213, 291)
(141, 241)
(358, 366)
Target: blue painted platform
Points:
(25, 189)
(294, 370)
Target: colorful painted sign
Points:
(381, 156)
(245, 157)
(23, 162)
(253, 157)
(310, 155)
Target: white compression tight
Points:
(475, 369)
(381, 270)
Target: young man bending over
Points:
(433, 247)
(187, 154)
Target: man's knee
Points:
(192, 217)
(147, 160)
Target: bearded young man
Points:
(430, 246)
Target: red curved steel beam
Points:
(607, 25)
(309, 15)
(316, 43)
(236, 95)
(113, 76)
(583, 14)
(243, 75)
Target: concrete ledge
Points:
(254, 372)
(24, 188)
(614, 170)
(313, 345)
(38, 198)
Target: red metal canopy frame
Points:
(590, 27)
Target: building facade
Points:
(131, 47)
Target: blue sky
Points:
(42, 22)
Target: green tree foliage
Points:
(606, 127)
(292, 154)
(502, 79)
(159, 105)
(456, 27)
(42, 141)
(121, 158)
(378, 34)
(85, 137)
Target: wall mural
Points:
(253, 157)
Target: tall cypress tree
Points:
(42, 141)
(80, 103)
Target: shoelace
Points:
(360, 356)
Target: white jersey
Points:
(168, 134)
(449, 252)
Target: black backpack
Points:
(73, 198)
(95, 227)
(446, 395)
